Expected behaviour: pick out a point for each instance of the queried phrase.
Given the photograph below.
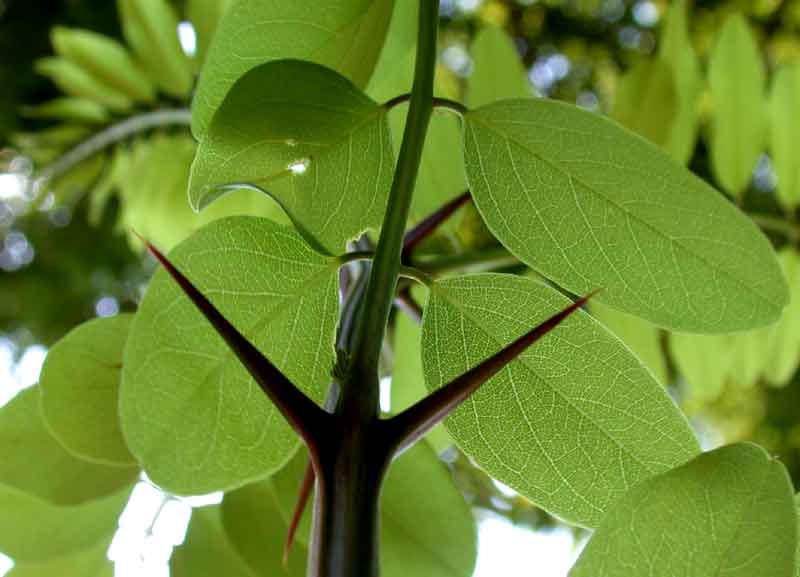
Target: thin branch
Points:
(475, 261)
(303, 414)
(412, 424)
(112, 135)
(428, 225)
(777, 225)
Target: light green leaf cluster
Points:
(309, 138)
(590, 205)
(80, 390)
(676, 51)
(497, 71)
(574, 422)
(346, 35)
(646, 101)
(205, 16)
(727, 512)
(190, 412)
(737, 81)
(784, 126)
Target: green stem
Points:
(776, 224)
(476, 261)
(362, 392)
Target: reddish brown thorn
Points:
(428, 225)
(412, 424)
(302, 501)
(305, 417)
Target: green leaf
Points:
(151, 29)
(574, 422)
(591, 205)
(206, 551)
(34, 462)
(205, 16)
(311, 139)
(797, 551)
(640, 336)
(408, 380)
(89, 563)
(80, 390)
(427, 528)
(345, 35)
(33, 530)
(677, 52)
(190, 412)
(728, 512)
(784, 341)
(105, 59)
(70, 109)
(704, 361)
(736, 79)
(257, 531)
(646, 101)
(497, 69)
(784, 126)
(75, 81)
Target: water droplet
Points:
(299, 166)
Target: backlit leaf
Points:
(784, 341)
(35, 463)
(784, 126)
(308, 137)
(345, 35)
(190, 412)
(677, 52)
(206, 552)
(704, 361)
(736, 79)
(205, 16)
(497, 69)
(33, 530)
(591, 205)
(646, 101)
(92, 562)
(728, 512)
(574, 422)
(80, 390)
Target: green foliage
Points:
(80, 390)
(561, 163)
(288, 308)
(646, 87)
(736, 79)
(498, 72)
(556, 416)
(309, 138)
(75, 81)
(727, 512)
(784, 125)
(89, 563)
(345, 35)
(23, 434)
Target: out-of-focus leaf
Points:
(727, 512)
(75, 81)
(311, 139)
(784, 342)
(346, 35)
(151, 30)
(704, 362)
(784, 126)
(736, 78)
(205, 16)
(497, 69)
(69, 109)
(80, 390)
(677, 52)
(105, 59)
(646, 101)
(574, 402)
(591, 205)
(34, 462)
(283, 297)
(92, 562)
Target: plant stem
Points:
(476, 261)
(362, 392)
(776, 224)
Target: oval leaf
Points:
(346, 35)
(80, 390)
(736, 79)
(190, 412)
(92, 562)
(574, 422)
(646, 101)
(591, 205)
(728, 512)
(784, 342)
(497, 69)
(311, 139)
(34, 462)
(784, 127)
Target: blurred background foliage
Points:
(661, 68)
